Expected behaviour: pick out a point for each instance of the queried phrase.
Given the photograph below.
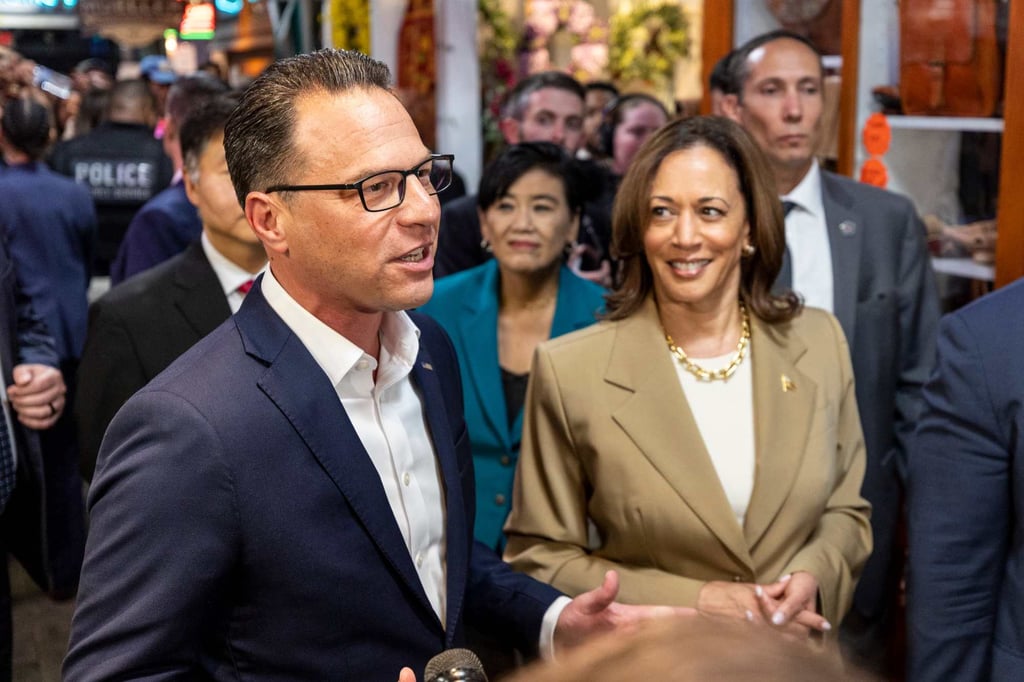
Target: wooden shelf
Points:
(980, 125)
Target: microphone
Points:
(454, 664)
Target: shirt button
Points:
(505, 460)
(406, 478)
(362, 364)
(499, 499)
(419, 560)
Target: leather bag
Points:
(949, 57)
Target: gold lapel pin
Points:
(787, 384)
(427, 365)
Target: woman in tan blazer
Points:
(703, 441)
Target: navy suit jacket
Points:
(50, 224)
(162, 228)
(466, 305)
(886, 302)
(239, 529)
(965, 605)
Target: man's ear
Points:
(268, 218)
(731, 106)
(509, 130)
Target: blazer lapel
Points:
(845, 238)
(306, 398)
(456, 532)
(198, 293)
(478, 327)
(660, 423)
(784, 401)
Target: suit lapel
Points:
(478, 327)
(783, 414)
(456, 532)
(197, 292)
(306, 398)
(845, 242)
(659, 421)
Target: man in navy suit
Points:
(293, 497)
(965, 498)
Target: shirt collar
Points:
(228, 274)
(335, 354)
(807, 193)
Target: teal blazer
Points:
(466, 305)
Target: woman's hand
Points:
(732, 600)
(792, 601)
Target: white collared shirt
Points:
(228, 274)
(808, 241)
(389, 419)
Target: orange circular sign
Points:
(876, 134)
(873, 172)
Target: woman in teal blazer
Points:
(497, 313)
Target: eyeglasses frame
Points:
(358, 184)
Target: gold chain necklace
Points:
(727, 371)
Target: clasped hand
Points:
(788, 604)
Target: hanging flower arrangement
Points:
(646, 41)
(496, 43)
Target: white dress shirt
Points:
(228, 274)
(808, 241)
(724, 412)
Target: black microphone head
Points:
(454, 664)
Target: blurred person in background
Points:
(703, 440)
(599, 94)
(694, 650)
(120, 162)
(626, 124)
(49, 225)
(168, 222)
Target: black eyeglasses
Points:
(385, 190)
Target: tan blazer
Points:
(608, 438)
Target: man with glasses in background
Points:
(293, 498)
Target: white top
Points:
(228, 274)
(388, 417)
(807, 238)
(724, 412)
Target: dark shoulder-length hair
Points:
(632, 212)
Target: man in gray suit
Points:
(860, 253)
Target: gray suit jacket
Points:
(887, 305)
